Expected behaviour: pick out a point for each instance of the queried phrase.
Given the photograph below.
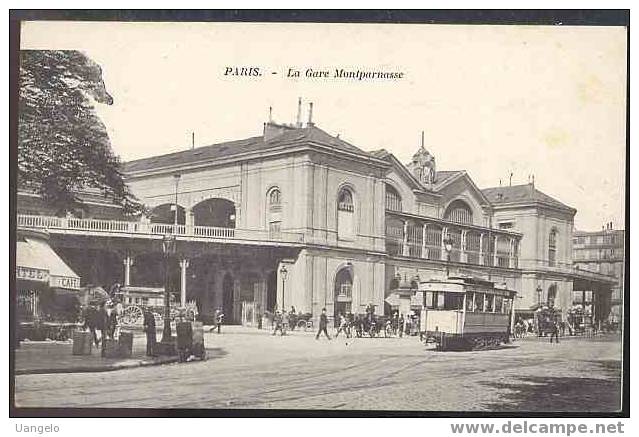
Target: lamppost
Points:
(168, 247)
(283, 274)
(448, 246)
(539, 290)
(176, 177)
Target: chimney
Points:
(310, 114)
(422, 139)
(192, 140)
(270, 114)
(298, 122)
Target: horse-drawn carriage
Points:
(372, 325)
(546, 318)
(135, 300)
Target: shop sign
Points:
(31, 274)
(65, 282)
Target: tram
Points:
(464, 313)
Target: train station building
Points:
(297, 217)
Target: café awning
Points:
(37, 261)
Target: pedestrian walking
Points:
(150, 331)
(278, 322)
(555, 332)
(342, 326)
(323, 323)
(401, 325)
(219, 319)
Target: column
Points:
(188, 220)
(444, 255)
(184, 264)
(481, 249)
(462, 254)
(495, 263)
(511, 259)
(128, 262)
(405, 248)
(424, 235)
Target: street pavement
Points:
(257, 370)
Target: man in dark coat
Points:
(323, 323)
(101, 323)
(149, 329)
(555, 331)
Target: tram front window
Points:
(489, 303)
(469, 301)
(439, 300)
(499, 301)
(479, 301)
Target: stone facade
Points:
(297, 217)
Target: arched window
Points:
(393, 199)
(274, 198)
(345, 213)
(459, 212)
(345, 201)
(552, 248)
(274, 216)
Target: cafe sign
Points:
(65, 282)
(31, 274)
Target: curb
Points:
(97, 369)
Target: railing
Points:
(397, 247)
(144, 228)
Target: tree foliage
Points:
(63, 146)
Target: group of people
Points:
(103, 322)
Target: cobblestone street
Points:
(257, 370)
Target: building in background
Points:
(549, 278)
(298, 217)
(603, 252)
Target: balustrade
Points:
(145, 228)
(470, 245)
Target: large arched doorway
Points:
(343, 291)
(214, 212)
(227, 298)
(552, 295)
(165, 214)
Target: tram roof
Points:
(464, 284)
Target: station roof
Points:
(288, 136)
(522, 194)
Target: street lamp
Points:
(448, 246)
(168, 247)
(283, 274)
(176, 177)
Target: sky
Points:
(492, 100)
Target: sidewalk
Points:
(34, 357)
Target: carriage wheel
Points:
(302, 324)
(132, 315)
